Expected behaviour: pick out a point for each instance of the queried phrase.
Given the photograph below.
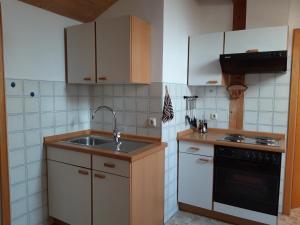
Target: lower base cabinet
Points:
(88, 189)
(69, 191)
(195, 180)
(110, 199)
(195, 174)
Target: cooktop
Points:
(258, 140)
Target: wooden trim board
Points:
(292, 124)
(4, 174)
(140, 42)
(236, 106)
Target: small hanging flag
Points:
(168, 113)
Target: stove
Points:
(258, 140)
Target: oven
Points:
(247, 179)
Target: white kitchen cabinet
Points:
(110, 199)
(204, 53)
(123, 50)
(195, 180)
(262, 39)
(81, 54)
(69, 193)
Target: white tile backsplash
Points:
(60, 89)
(47, 104)
(18, 191)
(16, 140)
(15, 123)
(32, 121)
(31, 86)
(32, 137)
(60, 103)
(46, 88)
(47, 119)
(32, 105)
(60, 119)
(266, 105)
(17, 158)
(14, 105)
(282, 91)
(19, 208)
(267, 91)
(17, 90)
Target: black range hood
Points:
(254, 62)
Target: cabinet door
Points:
(69, 193)
(81, 57)
(263, 39)
(204, 54)
(113, 50)
(110, 199)
(195, 181)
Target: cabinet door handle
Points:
(100, 176)
(102, 78)
(87, 78)
(195, 148)
(110, 165)
(204, 160)
(212, 82)
(83, 172)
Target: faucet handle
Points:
(117, 135)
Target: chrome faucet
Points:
(116, 133)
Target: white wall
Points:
(187, 17)
(33, 42)
(264, 13)
(151, 11)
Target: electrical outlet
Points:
(213, 116)
(152, 122)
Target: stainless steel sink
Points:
(124, 146)
(108, 144)
(90, 140)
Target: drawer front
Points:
(196, 148)
(110, 165)
(69, 157)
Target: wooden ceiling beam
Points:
(236, 106)
(239, 14)
(81, 10)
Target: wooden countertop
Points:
(58, 142)
(214, 134)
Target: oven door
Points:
(247, 185)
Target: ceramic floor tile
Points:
(183, 218)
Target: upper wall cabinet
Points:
(204, 53)
(123, 50)
(262, 39)
(80, 54)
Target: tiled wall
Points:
(134, 104)
(53, 109)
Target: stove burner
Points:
(235, 138)
(265, 141)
